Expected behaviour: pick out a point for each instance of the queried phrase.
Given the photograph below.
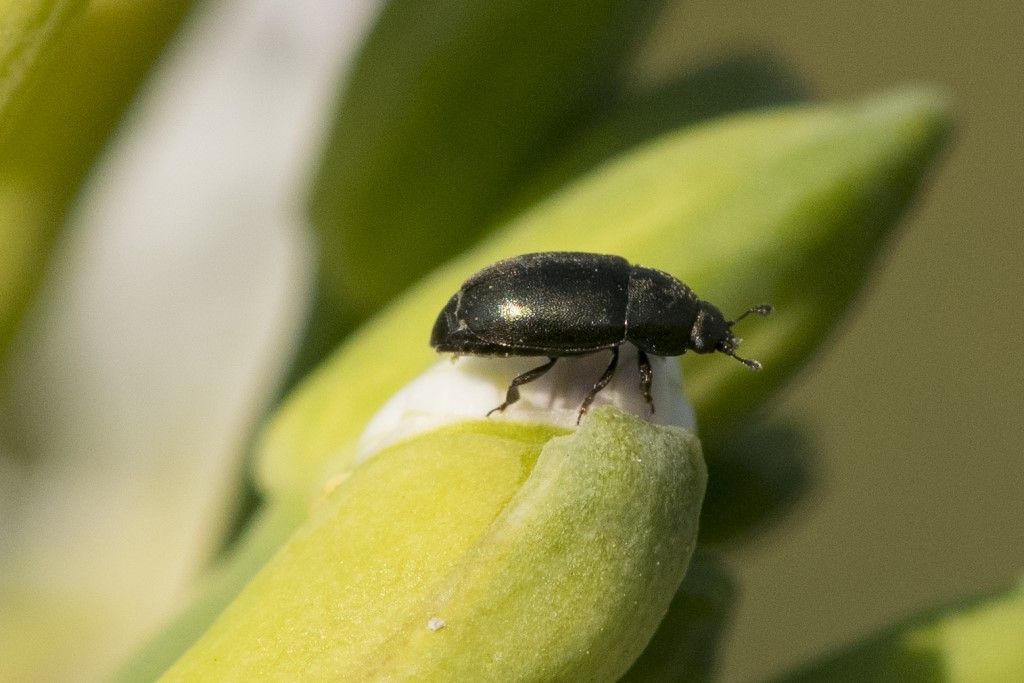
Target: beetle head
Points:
(712, 332)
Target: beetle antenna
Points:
(762, 309)
(752, 364)
(728, 347)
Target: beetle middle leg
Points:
(599, 385)
(646, 375)
(513, 392)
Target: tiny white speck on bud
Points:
(435, 624)
(468, 388)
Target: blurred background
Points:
(185, 279)
(915, 408)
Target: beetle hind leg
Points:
(512, 395)
(646, 376)
(599, 385)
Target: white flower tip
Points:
(472, 386)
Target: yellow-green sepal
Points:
(481, 551)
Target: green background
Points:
(915, 408)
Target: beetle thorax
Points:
(661, 312)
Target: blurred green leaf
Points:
(59, 117)
(975, 641)
(446, 109)
(731, 85)
(784, 206)
(685, 645)
(460, 527)
(755, 475)
(29, 30)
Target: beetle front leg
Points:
(513, 392)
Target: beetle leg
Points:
(646, 375)
(513, 392)
(600, 384)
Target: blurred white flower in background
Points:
(165, 325)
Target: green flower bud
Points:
(479, 551)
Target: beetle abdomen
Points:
(538, 304)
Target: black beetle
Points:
(558, 304)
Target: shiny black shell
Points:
(570, 303)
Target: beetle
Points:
(559, 304)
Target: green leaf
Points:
(65, 106)
(978, 640)
(785, 206)
(446, 109)
(483, 551)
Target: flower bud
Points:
(481, 550)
